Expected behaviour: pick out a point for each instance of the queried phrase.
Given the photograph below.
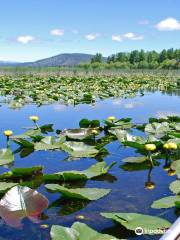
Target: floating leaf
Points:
(17, 173)
(166, 202)
(176, 167)
(6, 156)
(4, 186)
(49, 143)
(78, 231)
(159, 129)
(175, 187)
(140, 159)
(95, 170)
(131, 221)
(79, 193)
(20, 202)
(79, 149)
(79, 134)
(28, 134)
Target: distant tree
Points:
(162, 56)
(121, 57)
(111, 58)
(97, 58)
(134, 57)
(142, 56)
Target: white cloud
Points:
(117, 38)
(92, 36)
(168, 24)
(132, 105)
(57, 32)
(132, 36)
(129, 36)
(25, 39)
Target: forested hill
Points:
(66, 59)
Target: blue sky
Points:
(35, 29)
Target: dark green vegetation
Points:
(89, 140)
(18, 90)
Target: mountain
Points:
(66, 59)
(8, 64)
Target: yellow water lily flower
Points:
(111, 118)
(171, 172)
(34, 118)
(170, 146)
(150, 147)
(8, 133)
(95, 132)
(166, 146)
(149, 185)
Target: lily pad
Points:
(95, 170)
(49, 143)
(131, 221)
(79, 193)
(4, 186)
(175, 187)
(140, 159)
(20, 202)
(16, 173)
(166, 202)
(78, 134)
(6, 156)
(78, 231)
(79, 149)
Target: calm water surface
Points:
(128, 192)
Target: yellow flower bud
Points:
(166, 146)
(111, 118)
(171, 172)
(150, 147)
(149, 185)
(8, 133)
(95, 132)
(34, 118)
(172, 146)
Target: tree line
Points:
(166, 59)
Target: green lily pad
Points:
(131, 221)
(16, 173)
(166, 202)
(95, 170)
(4, 186)
(140, 159)
(6, 156)
(175, 187)
(49, 143)
(78, 231)
(79, 149)
(28, 134)
(78, 134)
(176, 167)
(79, 193)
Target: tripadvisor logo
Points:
(141, 231)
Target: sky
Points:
(36, 29)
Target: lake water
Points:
(128, 190)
